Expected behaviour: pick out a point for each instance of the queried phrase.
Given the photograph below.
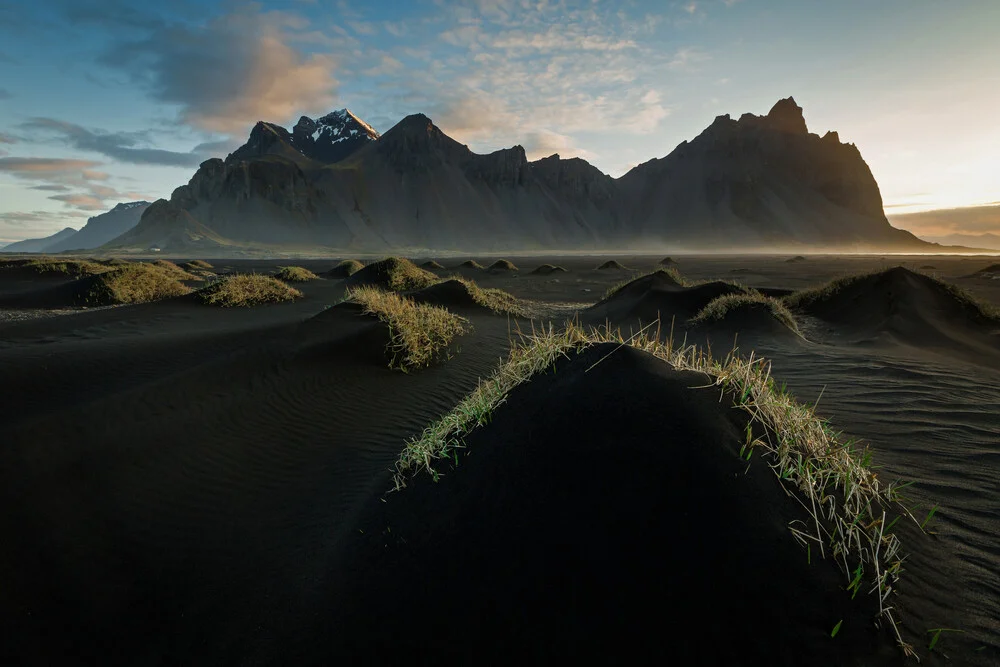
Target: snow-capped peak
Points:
(332, 137)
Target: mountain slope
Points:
(762, 182)
(102, 228)
(40, 245)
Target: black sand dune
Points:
(471, 264)
(796, 259)
(502, 265)
(603, 514)
(345, 269)
(548, 269)
(391, 273)
(450, 294)
(432, 266)
(899, 306)
(653, 296)
(989, 271)
(668, 261)
(749, 321)
(612, 265)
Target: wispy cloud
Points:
(121, 146)
(79, 185)
(31, 167)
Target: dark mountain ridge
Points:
(760, 182)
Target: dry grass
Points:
(133, 283)
(807, 297)
(346, 268)
(198, 265)
(431, 266)
(247, 289)
(718, 308)
(71, 267)
(471, 264)
(419, 333)
(503, 265)
(295, 274)
(495, 299)
(847, 504)
(174, 271)
(547, 269)
(612, 265)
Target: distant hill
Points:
(986, 241)
(40, 245)
(102, 228)
(928, 225)
(760, 182)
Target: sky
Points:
(118, 100)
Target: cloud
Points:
(120, 146)
(7, 139)
(971, 219)
(31, 167)
(691, 7)
(36, 224)
(81, 201)
(544, 143)
(230, 72)
(5, 94)
(50, 187)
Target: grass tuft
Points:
(396, 274)
(133, 283)
(495, 299)
(832, 479)
(295, 274)
(718, 308)
(419, 333)
(173, 270)
(197, 265)
(346, 269)
(247, 289)
(503, 265)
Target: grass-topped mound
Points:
(747, 311)
(684, 512)
(460, 292)
(662, 294)
(345, 269)
(991, 270)
(419, 333)
(393, 273)
(795, 260)
(471, 264)
(502, 265)
(612, 265)
(247, 289)
(131, 283)
(174, 271)
(431, 265)
(548, 269)
(197, 265)
(295, 274)
(668, 261)
(72, 268)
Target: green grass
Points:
(247, 289)
(133, 283)
(718, 308)
(833, 479)
(419, 333)
(295, 274)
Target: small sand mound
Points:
(611, 265)
(393, 273)
(990, 270)
(661, 294)
(173, 270)
(548, 269)
(432, 266)
(928, 267)
(554, 555)
(668, 261)
(471, 264)
(796, 259)
(461, 294)
(295, 274)
(198, 264)
(502, 265)
(747, 313)
(345, 269)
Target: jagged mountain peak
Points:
(786, 115)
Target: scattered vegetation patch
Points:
(471, 264)
(114, 261)
(431, 266)
(717, 309)
(495, 299)
(394, 273)
(295, 274)
(419, 333)
(132, 283)
(247, 289)
(503, 265)
(547, 269)
(612, 265)
(345, 269)
(848, 505)
(70, 267)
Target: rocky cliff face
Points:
(758, 182)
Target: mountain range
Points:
(99, 230)
(753, 183)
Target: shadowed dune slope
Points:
(656, 295)
(754, 320)
(522, 551)
(900, 306)
(451, 294)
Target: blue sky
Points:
(110, 101)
